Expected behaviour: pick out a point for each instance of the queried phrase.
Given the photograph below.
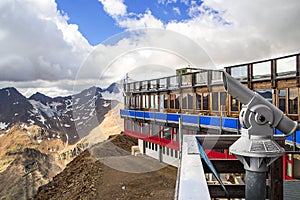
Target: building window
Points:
(205, 101)
(234, 104)
(293, 100)
(177, 100)
(154, 130)
(128, 125)
(137, 102)
(215, 101)
(190, 101)
(132, 102)
(145, 129)
(153, 102)
(187, 101)
(223, 98)
(167, 133)
(184, 101)
(136, 127)
(145, 101)
(165, 101)
(172, 101)
(198, 101)
(282, 100)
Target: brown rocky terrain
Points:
(87, 177)
(28, 171)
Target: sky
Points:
(58, 47)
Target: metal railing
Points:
(271, 69)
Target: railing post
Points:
(273, 73)
(250, 75)
(209, 79)
(298, 69)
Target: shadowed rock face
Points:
(26, 174)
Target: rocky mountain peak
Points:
(113, 88)
(40, 97)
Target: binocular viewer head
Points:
(264, 111)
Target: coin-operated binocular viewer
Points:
(256, 148)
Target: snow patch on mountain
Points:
(8, 93)
(3, 125)
(38, 106)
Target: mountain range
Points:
(40, 135)
(68, 118)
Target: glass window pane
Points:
(155, 101)
(201, 78)
(282, 100)
(286, 65)
(154, 130)
(239, 72)
(145, 128)
(293, 100)
(167, 133)
(165, 101)
(223, 97)
(205, 101)
(198, 101)
(177, 100)
(261, 70)
(215, 101)
(282, 105)
(136, 127)
(190, 101)
(282, 93)
(172, 101)
(184, 100)
(234, 104)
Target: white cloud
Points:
(114, 8)
(238, 31)
(232, 31)
(177, 10)
(141, 49)
(146, 20)
(38, 43)
(166, 2)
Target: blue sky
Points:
(96, 25)
(93, 22)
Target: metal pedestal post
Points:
(255, 185)
(256, 154)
